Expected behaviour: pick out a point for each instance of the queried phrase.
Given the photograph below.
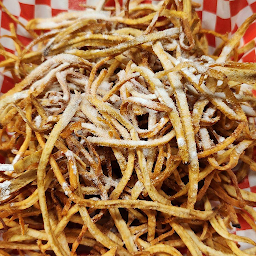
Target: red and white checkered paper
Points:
(223, 16)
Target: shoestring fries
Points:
(124, 136)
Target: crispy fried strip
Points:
(173, 115)
(235, 39)
(132, 144)
(186, 123)
(90, 54)
(67, 115)
(188, 241)
(44, 68)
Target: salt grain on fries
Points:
(123, 134)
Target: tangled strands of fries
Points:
(123, 134)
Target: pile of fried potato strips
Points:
(124, 136)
